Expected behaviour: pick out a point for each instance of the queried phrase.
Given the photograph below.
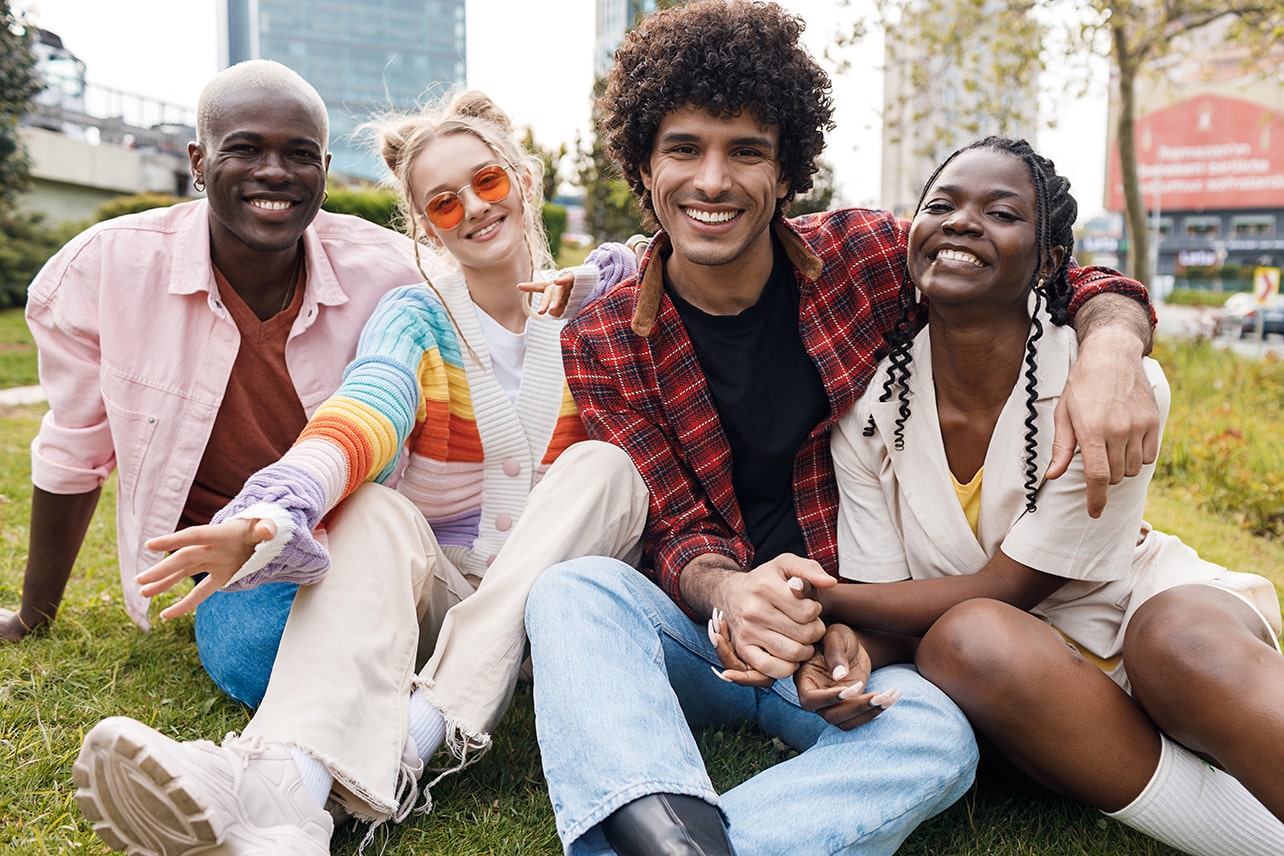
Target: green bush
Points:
(1197, 297)
(134, 203)
(555, 224)
(1222, 445)
(26, 243)
(378, 205)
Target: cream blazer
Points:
(899, 516)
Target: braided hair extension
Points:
(1056, 211)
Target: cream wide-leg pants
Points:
(341, 684)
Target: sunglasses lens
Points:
(445, 210)
(491, 183)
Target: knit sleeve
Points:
(354, 437)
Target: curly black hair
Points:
(1056, 211)
(727, 57)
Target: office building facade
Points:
(363, 58)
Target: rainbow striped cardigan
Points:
(416, 390)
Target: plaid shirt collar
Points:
(651, 277)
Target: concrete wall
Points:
(72, 176)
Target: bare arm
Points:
(910, 607)
(1108, 409)
(58, 526)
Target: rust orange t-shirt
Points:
(260, 416)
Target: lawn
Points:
(94, 663)
(17, 351)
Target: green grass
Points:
(93, 663)
(17, 351)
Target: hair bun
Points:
(392, 139)
(478, 105)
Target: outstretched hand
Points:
(556, 292)
(831, 682)
(218, 550)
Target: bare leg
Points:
(1057, 717)
(1203, 667)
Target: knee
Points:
(972, 642)
(1186, 633)
(573, 589)
(933, 727)
(603, 464)
(237, 637)
(372, 507)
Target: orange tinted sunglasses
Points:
(490, 183)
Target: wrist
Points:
(1119, 340)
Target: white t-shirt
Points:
(507, 352)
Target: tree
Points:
(1016, 45)
(610, 211)
(552, 160)
(822, 193)
(19, 83)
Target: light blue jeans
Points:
(622, 677)
(237, 636)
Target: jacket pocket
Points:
(131, 433)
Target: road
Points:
(1191, 321)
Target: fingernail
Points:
(853, 690)
(797, 584)
(886, 699)
(713, 633)
(840, 672)
(720, 675)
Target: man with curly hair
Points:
(721, 367)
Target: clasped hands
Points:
(770, 629)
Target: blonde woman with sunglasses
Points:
(406, 632)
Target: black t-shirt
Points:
(769, 397)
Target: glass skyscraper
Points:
(363, 57)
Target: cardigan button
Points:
(503, 521)
(512, 467)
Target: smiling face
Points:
(715, 183)
(491, 233)
(973, 240)
(264, 166)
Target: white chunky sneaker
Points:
(148, 795)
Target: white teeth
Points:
(711, 216)
(270, 204)
(487, 230)
(959, 256)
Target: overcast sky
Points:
(538, 66)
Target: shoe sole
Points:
(136, 804)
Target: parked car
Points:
(1272, 320)
(1231, 319)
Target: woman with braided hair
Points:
(1102, 658)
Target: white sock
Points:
(1201, 810)
(427, 725)
(316, 778)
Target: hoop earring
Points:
(325, 196)
(198, 183)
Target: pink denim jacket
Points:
(136, 348)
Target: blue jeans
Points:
(237, 635)
(622, 677)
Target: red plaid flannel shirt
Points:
(636, 380)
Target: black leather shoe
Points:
(667, 825)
